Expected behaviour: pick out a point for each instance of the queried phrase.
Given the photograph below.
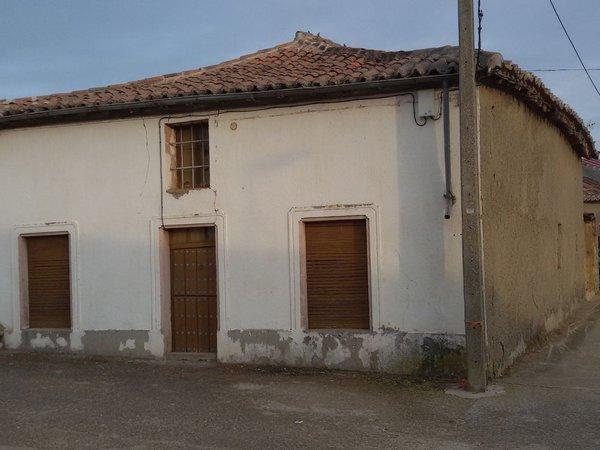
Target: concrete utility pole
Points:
(475, 326)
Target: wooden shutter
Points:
(337, 276)
(49, 286)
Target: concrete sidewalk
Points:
(552, 400)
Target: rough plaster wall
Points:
(531, 183)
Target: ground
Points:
(551, 400)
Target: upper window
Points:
(189, 155)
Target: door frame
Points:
(161, 274)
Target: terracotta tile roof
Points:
(531, 90)
(591, 163)
(591, 190)
(308, 60)
(311, 60)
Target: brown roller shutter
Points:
(49, 286)
(337, 275)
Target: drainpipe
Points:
(448, 195)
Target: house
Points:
(296, 206)
(591, 185)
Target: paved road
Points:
(61, 401)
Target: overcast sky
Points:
(62, 45)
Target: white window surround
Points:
(296, 216)
(19, 266)
(159, 252)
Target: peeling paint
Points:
(12, 339)
(128, 345)
(55, 223)
(93, 342)
(116, 342)
(41, 342)
(341, 206)
(76, 338)
(384, 350)
(155, 343)
(177, 193)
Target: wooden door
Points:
(337, 274)
(193, 290)
(48, 281)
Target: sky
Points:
(49, 46)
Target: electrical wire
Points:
(563, 69)
(414, 101)
(479, 26)
(574, 48)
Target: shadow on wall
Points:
(429, 264)
(115, 285)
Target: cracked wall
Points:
(532, 226)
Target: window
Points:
(48, 281)
(189, 155)
(337, 274)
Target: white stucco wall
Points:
(104, 176)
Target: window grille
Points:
(190, 142)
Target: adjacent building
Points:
(591, 217)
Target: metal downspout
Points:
(448, 195)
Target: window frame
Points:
(296, 218)
(27, 300)
(20, 319)
(174, 142)
(304, 270)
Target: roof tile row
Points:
(311, 60)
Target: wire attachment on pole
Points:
(479, 27)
